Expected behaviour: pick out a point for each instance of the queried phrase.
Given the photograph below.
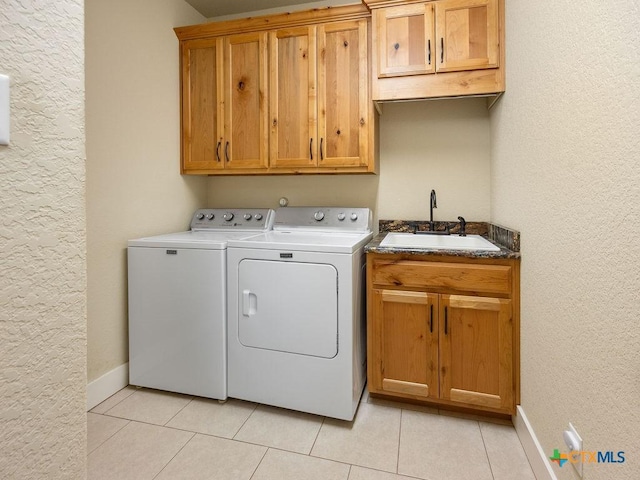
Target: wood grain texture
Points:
(468, 29)
(293, 97)
(491, 279)
(472, 33)
(477, 332)
(405, 38)
(201, 64)
(405, 352)
(343, 105)
(355, 11)
(476, 351)
(245, 106)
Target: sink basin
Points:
(438, 242)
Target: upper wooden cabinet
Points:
(405, 40)
(202, 127)
(245, 104)
(224, 115)
(467, 32)
(293, 97)
(427, 49)
(319, 96)
(289, 95)
(345, 117)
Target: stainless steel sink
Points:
(438, 242)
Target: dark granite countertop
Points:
(508, 240)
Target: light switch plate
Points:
(4, 110)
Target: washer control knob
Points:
(354, 217)
(200, 216)
(341, 216)
(258, 216)
(228, 216)
(210, 216)
(319, 215)
(247, 216)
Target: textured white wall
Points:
(42, 243)
(565, 150)
(133, 126)
(442, 145)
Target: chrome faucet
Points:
(433, 203)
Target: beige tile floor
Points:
(146, 434)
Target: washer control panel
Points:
(351, 219)
(232, 219)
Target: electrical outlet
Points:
(574, 444)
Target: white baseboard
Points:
(537, 458)
(108, 384)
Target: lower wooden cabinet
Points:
(456, 348)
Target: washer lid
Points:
(328, 242)
(206, 240)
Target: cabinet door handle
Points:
(226, 152)
(311, 148)
(218, 152)
(446, 321)
(441, 49)
(321, 155)
(431, 319)
(429, 50)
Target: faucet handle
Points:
(463, 226)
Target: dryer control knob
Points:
(354, 216)
(319, 215)
(247, 216)
(228, 216)
(258, 216)
(341, 216)
(200, 216)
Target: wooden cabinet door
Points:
(476, 351)
(343, 105)
(202, 126)
(246, 134)
(467, 33)
(293, 98)
(404, 349)
(405, 39)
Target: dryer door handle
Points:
(249, 303)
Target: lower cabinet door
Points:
(404, 354)
(476, 345)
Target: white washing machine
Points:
(177, 302)
(296, 299)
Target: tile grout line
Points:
(137, 389)
(255, 407)
(259, 463)
(176, 454)
(110, 436)
(176, 414)
(484, 444)
(317, 435)
(399, 438)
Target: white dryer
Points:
(177, 302)
(296, 322)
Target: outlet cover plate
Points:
(4, 110)
(577, 457)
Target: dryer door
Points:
(288, 307)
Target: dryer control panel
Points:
(335, 219)
(232, 219)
